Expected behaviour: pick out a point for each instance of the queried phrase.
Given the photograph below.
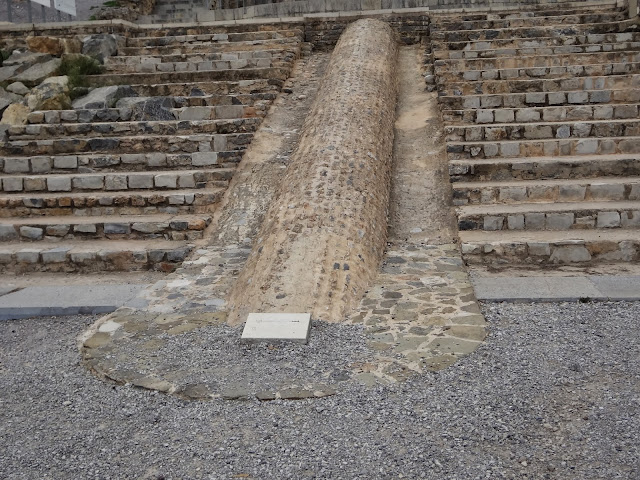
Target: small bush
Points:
(77, 68)
(111, 3)
(3, 56)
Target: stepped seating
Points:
(543, 133)
(127, 188)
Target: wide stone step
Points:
(275, 73)
(577, 247)
(168, 227)
(623, 80)
(546, 45)
(216, 107)
(626, 124)
(95, 256)
(192, 66)
(205, 88)
(532, 61)
(570, 113)
(209, 48)
(527, 21)
(532, 168)
(532, 11)
(550, 216)
(205, 38)
(525, 73)
(555, 190)
(117, 181)
(130, 202)
(130, 162)
(122, 145)
(540, 31)
(541, 99)
(544, 147)
(116, 129)
(255, 54)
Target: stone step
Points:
(205, 88)
(215, 107)
(230, 75)
(533, 61)
(626, 124)
(541, 31)
(532, 11)
(554, 190)
(550, 216)
(188, 66)
(544, 147)
(163, 226)
(522, 52)
(231, 56)
(538, 87)
(569, 113)
(548, 46)
(586, 247)
(104, 130)
(117, 181)
(532, 168)
(211, 48)
(527, 21)
(178, 30)
(117, 163)
(122, 145)
(94, 256)
(525, 73)
(579, 97)
(130, 202)
(214, 38)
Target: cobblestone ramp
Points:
(323, 238)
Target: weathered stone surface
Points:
(45, 44)
(103, 97)
(18, 88)
(297, 248)
(52, 94)
(100, 46)
(37, 73)
(15, 114)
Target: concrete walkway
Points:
(547, 288)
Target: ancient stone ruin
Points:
(350, 166)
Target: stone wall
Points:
(323, 238)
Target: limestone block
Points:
(608, 220)
(201, 159)
(116, 228)
(166, 180)
(515, 222)
(115, 182)
(34, 184)
(15, 114)
(140, 181)
(28, 255)
(625, 111)
(557, 98)
(16, 165)
(58, 230)
(513, 194)
(100, 46)
(539, 249)
(85, 228)
(8, 233)
(492, 223)
(40, 164)
(534, 221)
(606, 191)
(527, 115)
(59, 183)
(38, 72)
(511, 149)
(65, 162)
(577, 97)
(570, 254)
(559, 221)
(55, 255)
(484, 116)
(89, 182)
(186, 180)
(32, 233)
(18, 88)
(504, 116)
(12, 184)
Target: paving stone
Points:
(268, 327)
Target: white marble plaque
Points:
(44, 3)
(264, 327)
(66, 6)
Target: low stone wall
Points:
(323, 238)
(298, 8)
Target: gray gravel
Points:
(554, 393)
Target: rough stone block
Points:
(115, 182)
(527, 115)
(539, 249)
(90, 182)
(571, 193)
(534, 221)
(55, 255)
(34, 184)
(608, 220)
(40, 164)
(559, 221)
(606, 191)
(140, 181)
(570, 254)
(66, 162)
(28, 255)
(515, 222)
(16, 165)
(12, 184)
(32, 233)
(166, 180)
(504, 116)
(492, 223)
(201, 159)
(8, 233)
(59, 183)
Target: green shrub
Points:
(111, 3)
(77, 68)
(3, 56)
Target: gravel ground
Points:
(554, 393)
(19, 11)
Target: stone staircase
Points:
(132, 185)
(542, 132)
